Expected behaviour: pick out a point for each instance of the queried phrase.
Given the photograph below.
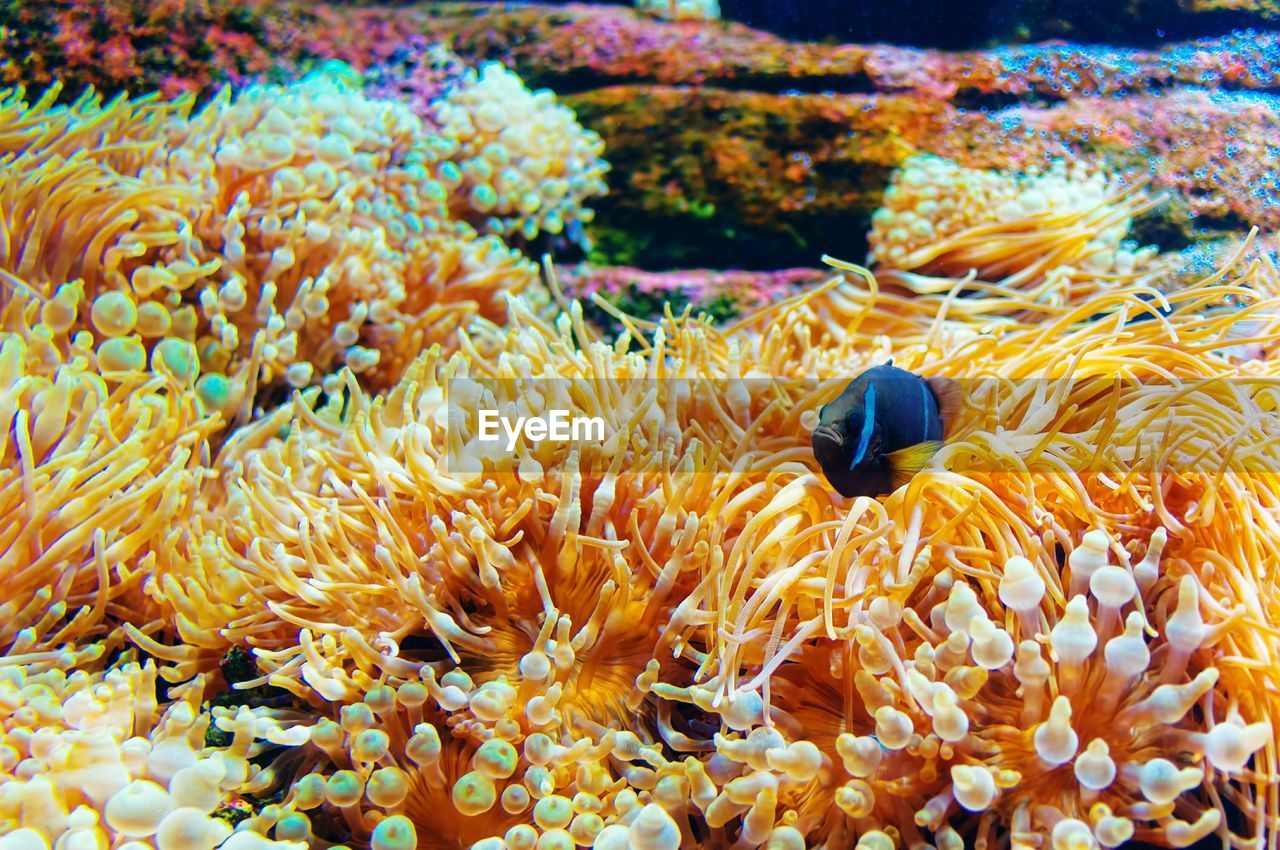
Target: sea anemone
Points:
(321, 206)
(91, 759)
(119, 133)
(793, 666)
(865, 641)
(283, 233)
(520, 162)
(103, 456)
(1056, 235)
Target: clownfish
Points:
(882, 430)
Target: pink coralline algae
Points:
(417, 73)
(703, 289)
(1217, 150)
(172, 46)
(615, 45)
(114, 45)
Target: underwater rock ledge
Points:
(761, 177)
(739, 142)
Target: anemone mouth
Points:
(827, 432)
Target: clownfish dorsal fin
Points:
(950, 399)
(905, 463)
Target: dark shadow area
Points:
(957, 26)
(925, 23)
(578, 80)
(690, 242)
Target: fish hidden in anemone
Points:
(882, 429)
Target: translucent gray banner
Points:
(1104, 424)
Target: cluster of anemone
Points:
(518, 162)
(681, 10)
(1055, 232)
(91, 759)
(103, 454)
(266, 240)
(326, 222)
(683, 636)
(961, 723)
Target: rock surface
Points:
(752, 176)
(716, 293)
(736, 147)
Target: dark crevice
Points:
(580, 81)
(980, 101)
(1167, 230)
(942, 24)
(663, 243)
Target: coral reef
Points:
(763, 178)
(266, 583)
(1046, 234)
(418, 73)
(91, 757)
(264, 239)
(167, 46)
(520, 162)
(681, 10)
(720, 294)
(609, 45)
(550, 652)
(819, 153)
(777, 174)
(737, 148)
(171, 46)
(1200, 145)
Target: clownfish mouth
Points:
(827, 432)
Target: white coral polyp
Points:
(518, 161)
(94, 762)
(681, 10)
(932, 200)
(1106, 713)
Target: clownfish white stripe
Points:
(868, 423)
(924, 397)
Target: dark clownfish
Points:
(882, 429)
